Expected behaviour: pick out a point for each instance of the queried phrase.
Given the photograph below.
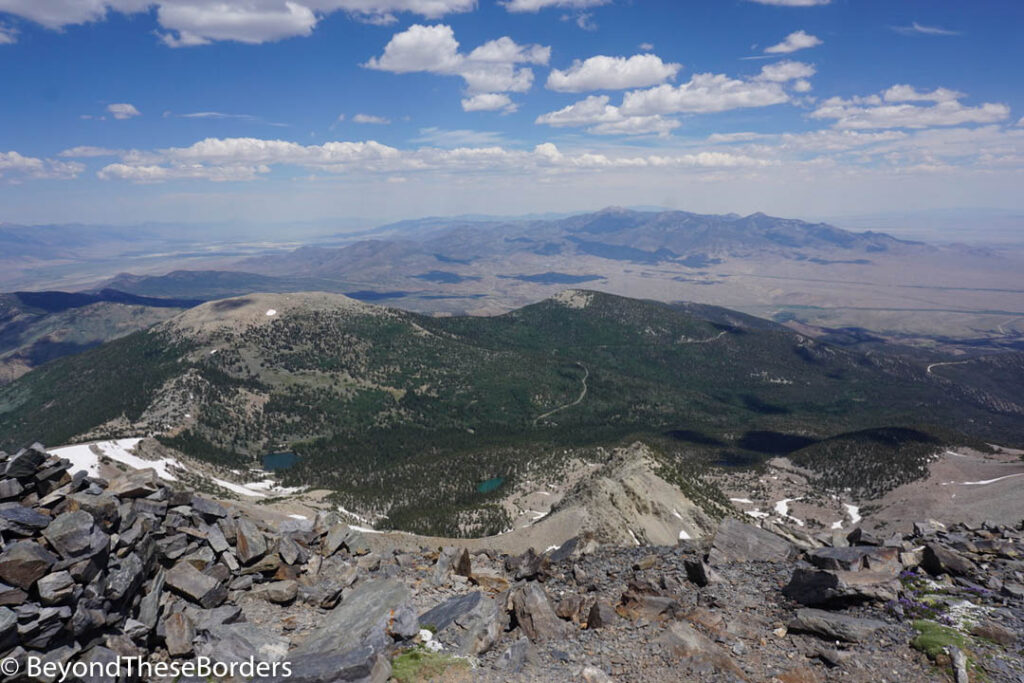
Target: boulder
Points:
(601, 615)
(56, 588)
(249, 541)
(682, 641)
(938, 559)
(835, 625)
(738, 542)
(535, 614)
(134, 484)
(179, 634)
(352, 642)
(279, 592)
(470, 624)
(190, 583)
(240, 641)
(23, 562)
(21, 520)
(700, 573)
(25, 463)
(813, 587)
(208, 508)
(71, 534)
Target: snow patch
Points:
(853, 511)
(837, 525)
(683, 536)
(782, 510)
(745, 501)
(271, 312)
(757, 514)
(633, 536)
(84, 457)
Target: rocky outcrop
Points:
(91, 571)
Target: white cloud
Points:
(537, 5)
(8, 35)
(612, 73)
(123, 110)
(916, 28)
(603, 118)
(874, 111)
(199, 22)
(462, 137)
(782, 72)
(490, 68)
(702, 94)
(907, 93)
(792, 3)
(798, 40)
(369, 118)
(15, 167)
(84, 151)
(646, 47)
(237, 159)
(489, 101)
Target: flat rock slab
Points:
(739, 542)
(351, 645)
(835, 625)
(189, 582)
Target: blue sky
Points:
(209, 110)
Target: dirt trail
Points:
(583, 394)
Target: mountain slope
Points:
(404, 415)
(37, 327)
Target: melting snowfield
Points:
(86, 456)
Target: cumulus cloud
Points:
(15, 167)
(370, 118)
(493, 67)
(489, 101)
(907, 93)
(84, 151)
(703, 94)
(537, 5)
(237, 159)
(612, 73)
(199, 22)
(782, 72)
(798, 40)
(123, 110)
(602, 118)
(891, 109)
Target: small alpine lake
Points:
(490, 485)
(279, 461)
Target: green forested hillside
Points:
(411, 412)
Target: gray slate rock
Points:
(189, 582)
(835, 625)
(535, 614)
(22, 563)
(738, 542)
(352, 643)
(55, 588)
(71, 534)
(249, 541)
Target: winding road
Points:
(583, 394)
(935, 365)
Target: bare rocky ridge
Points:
(94, 568)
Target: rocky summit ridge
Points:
(95, 569)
